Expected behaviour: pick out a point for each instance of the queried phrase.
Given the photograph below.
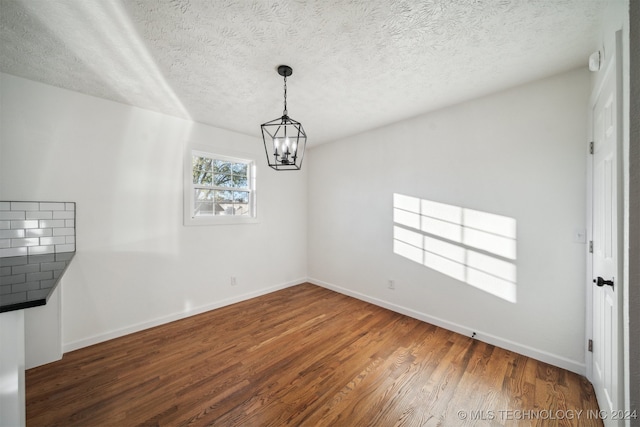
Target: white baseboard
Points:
(86, 342)
(552, 359)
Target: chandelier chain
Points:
(284, 113)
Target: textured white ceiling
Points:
(357, 64)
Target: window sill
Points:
(220, 220)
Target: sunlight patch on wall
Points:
(474, 247)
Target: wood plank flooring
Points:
(303, 356)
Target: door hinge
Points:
(590, 246)
(591, 147)
(590, 346)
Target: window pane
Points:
(241, 196)
(202, 167)
(203, 203)
(224, 203)
(239, 169)
(220, 166)
(202, 178)
(203, 195)
(222, 180)
(203, 209)
(241, 209)
(239, 181)
(202, 163)
(224, 196)
(241, 202)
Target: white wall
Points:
(136, 264)
(519, 153)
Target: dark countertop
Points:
(28, 281)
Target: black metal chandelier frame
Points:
(284, 138)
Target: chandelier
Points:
(284, 138)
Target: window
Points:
(221, 189)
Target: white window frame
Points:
(189, 189)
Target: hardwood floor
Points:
(303, 356)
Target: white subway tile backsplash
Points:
(36, 228)
(11, 214)
(8, 234)
(39, 215)
(24, 224)
(45, 284)
(65, 248)
(47, 258)
(11, 261)
(28, 286)
(10, 252)
(15, 298)
(46, 206)
(52, 266)
(26, 268)
(60, 240)
(41, 275)
(64, 231)
(13, 279)
(63, 214)
(41, 293)
(16, 243)
(38, 232)
(25, 206)
(51, 223)
(38, 250)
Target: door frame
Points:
(613, 65)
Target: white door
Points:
(606, 370)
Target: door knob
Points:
(601, 282)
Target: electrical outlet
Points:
(392, 284)
(233, 281)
